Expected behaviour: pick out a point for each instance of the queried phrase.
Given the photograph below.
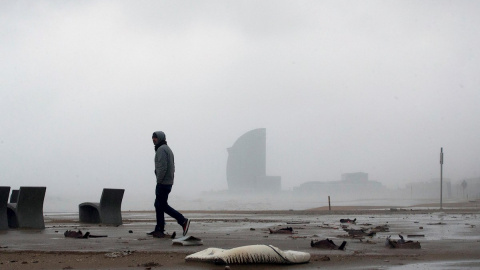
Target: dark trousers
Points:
(161, 207)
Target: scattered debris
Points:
(188, 241)
(298, 222)
(342, 220)
(350, 236)
(415, 235)
(97, 236)
(327, 244)
(118, 254)
(326, 226)
(296, 237)
(367, 242)
(149, 264)
(324, 258)
(381, 228)
(287, 230)
(438, 223)
(401, 243)
(130, 231)
(76, 234)
(361, 232)
(79, 235)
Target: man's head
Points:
(158, 136)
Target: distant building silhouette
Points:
(352, 185)
(358, 177)
(246, 164)
(472, 188)
(430, 189)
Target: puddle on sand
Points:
(446, 265)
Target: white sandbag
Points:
(250, 255)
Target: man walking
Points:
(164, 170)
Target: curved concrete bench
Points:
(14, 196)
(28, 211)
(107, 211)
(4, 191)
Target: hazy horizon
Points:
(340, 86)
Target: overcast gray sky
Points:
(340, 86)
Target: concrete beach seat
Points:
(107, 211)
(14, 196)
(28, 211)
(4, 191)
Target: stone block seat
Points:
(27, 212)
(14, 196)
(108, 211)
(4, 191)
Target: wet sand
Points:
(450, 235)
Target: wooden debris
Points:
(402, 243)
(287, 230)
(327, 244)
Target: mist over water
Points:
(284, 200)
(340, 86)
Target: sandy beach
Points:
(449, 239)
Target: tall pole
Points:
(441, 176)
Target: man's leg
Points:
(175, 214)
(161, 197)
(181, 220)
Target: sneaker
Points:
(153, 232)
(158, 235)
(185, 226)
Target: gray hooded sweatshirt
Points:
(164, 161)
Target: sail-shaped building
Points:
(246, 164)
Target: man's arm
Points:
(161, 164)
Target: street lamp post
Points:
(441, 176)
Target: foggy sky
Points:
(340, 86)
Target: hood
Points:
(160, 135)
